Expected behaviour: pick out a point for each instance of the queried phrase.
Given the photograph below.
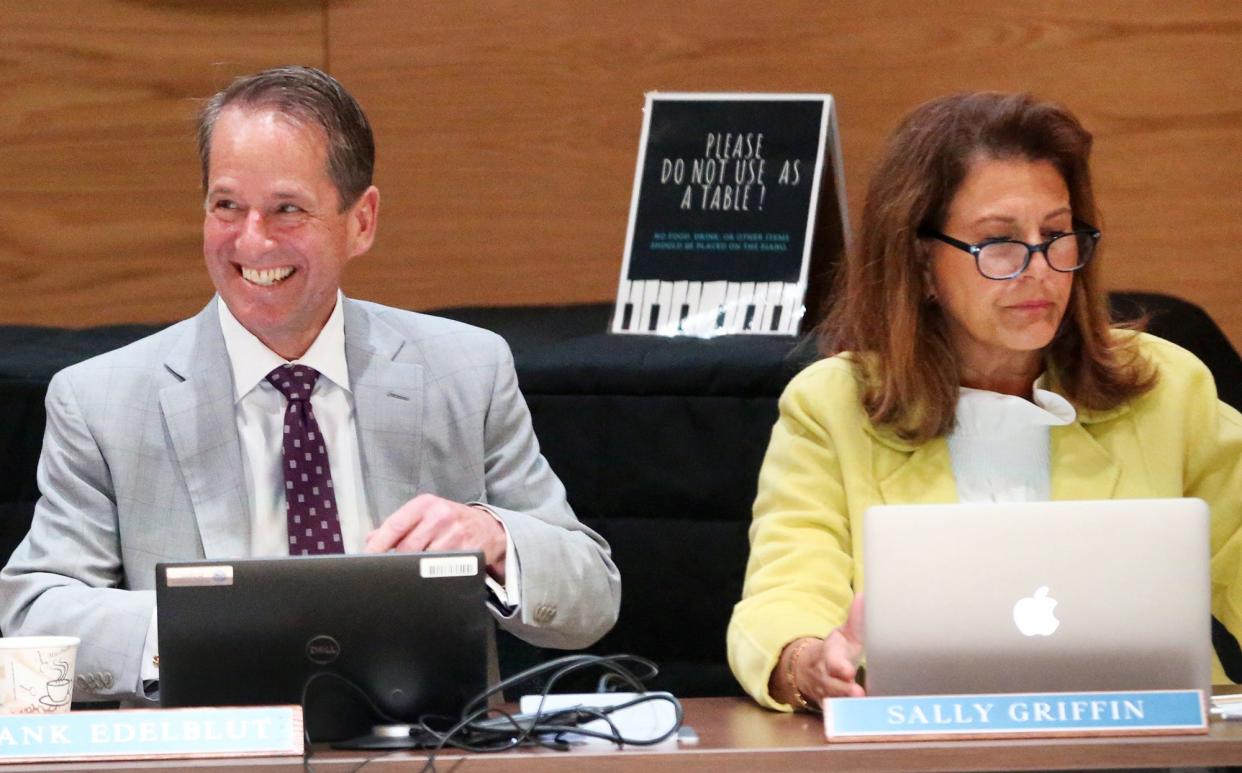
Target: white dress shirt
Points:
(259, 410)
(1000, 445)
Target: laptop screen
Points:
(409, 632)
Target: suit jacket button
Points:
(545, 613)
(107, 679)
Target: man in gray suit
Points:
(178, 446)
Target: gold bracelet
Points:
(800, 700)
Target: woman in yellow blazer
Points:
(974, 293)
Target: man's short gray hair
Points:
(306, 96)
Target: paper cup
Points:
(36, 674)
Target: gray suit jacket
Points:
(142, 463)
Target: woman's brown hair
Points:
(879, 308)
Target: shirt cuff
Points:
(149, 671)
(509, 595)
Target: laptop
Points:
(1037, 597)
(410, 631)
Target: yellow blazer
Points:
(826, 464)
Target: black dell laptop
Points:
(358, 640)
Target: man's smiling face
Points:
(275, 238)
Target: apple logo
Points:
(1034, 615)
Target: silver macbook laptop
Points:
(402, 633)
(1037, 597)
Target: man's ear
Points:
(363, 221)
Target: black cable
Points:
(515, 732)
(483, 729)
(303, 701)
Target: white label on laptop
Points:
(449, 566)
(189, 576)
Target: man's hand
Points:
(429, 522)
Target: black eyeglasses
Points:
(1008, 258)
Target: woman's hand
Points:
(816, 669)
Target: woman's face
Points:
(1002, 325)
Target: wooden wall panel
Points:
(507, 131)
(100, 202)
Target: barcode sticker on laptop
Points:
(191, 576)
(449, 566)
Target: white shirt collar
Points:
(980, 411)
(251, 360)
(1052, 402)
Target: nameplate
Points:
(1015, 715)
(152, 734)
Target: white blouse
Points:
(1000, 445)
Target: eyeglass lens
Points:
(1066, 253)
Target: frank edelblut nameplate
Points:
(152, 734)
(1015, 715)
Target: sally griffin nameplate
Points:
(1015, 715)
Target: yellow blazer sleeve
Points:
(1213, 464)
(1185, 427)
(799, 574)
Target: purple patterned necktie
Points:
(314, 526)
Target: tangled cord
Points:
(482, 728)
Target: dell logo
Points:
(323, 649)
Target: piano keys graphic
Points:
(710, 308)
(726, 202)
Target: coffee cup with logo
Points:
(36, 674)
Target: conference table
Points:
(736, 735)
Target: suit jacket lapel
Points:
(198, 412)
(926, 476)
(387, 385)
(1081, 467)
